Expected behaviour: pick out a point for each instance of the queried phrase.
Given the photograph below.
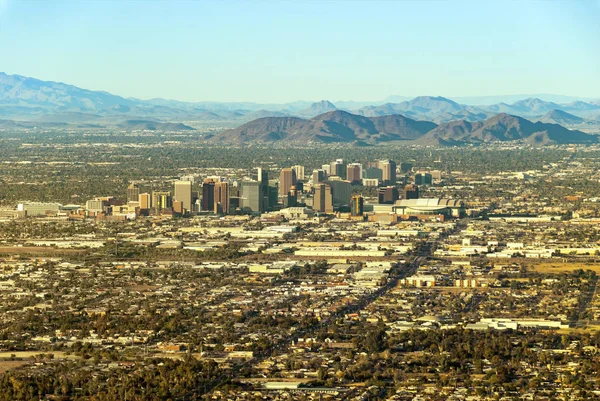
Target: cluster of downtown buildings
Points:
(327, 190)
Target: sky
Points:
(280, 51)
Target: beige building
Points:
(145, 201)
(222, 197)
(287, 178)
(183, 193)
(323, 199)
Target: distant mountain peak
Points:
(324, 103)
(318, 108)
(334, 114)
(437, 98)
(561, 117)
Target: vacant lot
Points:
(28, 354)
(563, 267)
(37, 250)
(8, 365)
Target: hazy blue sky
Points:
(290, 50)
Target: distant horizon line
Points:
(387, 99)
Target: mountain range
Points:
(341, 126)
(334, 126)
(28, 102)
(503, 128)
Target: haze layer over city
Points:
(320, 200)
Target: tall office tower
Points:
(423, 179)
(145, 201)
(354, 173)
(208, 194)
(273, 196)
(299, 172)
(221, 198)
(411, 192)
(182, 192)
(262, 175)
(292, 198)
(161, 200)
(326, 168)
(387, 195)
(263, 179)
(287, 178)
(250, 196)
(356, 205)
(133, 193)
(374, 172)
(338, 168)
(341, 191)
(389, 172)
(406, 167)
(323, 199)
(318, 176)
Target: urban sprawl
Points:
(436, 277)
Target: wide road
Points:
(423, 252)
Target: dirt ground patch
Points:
(563, 267)
(28, 354)
(37, 250)
(8, 365)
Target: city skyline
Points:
(314, 200)
(203, 51)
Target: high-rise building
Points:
(273, 196)
(387, 195)
(338, 168)
(340, 190)
(436, 175)
(221, 195)
(208, 195)
(374, 172)
(263, 179)
(318, 176)
(182, 192)
(287, 178)
(389, 172)
(327, 169)
(354, 173)
(133, 193)
(323, 199)
(423, 179)
(292, 198)
(250, 196)
(145, 201)
(406, 167)
(299, 172)
(161, 200)
(356, 205)
(262, 176)
(411, 192)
